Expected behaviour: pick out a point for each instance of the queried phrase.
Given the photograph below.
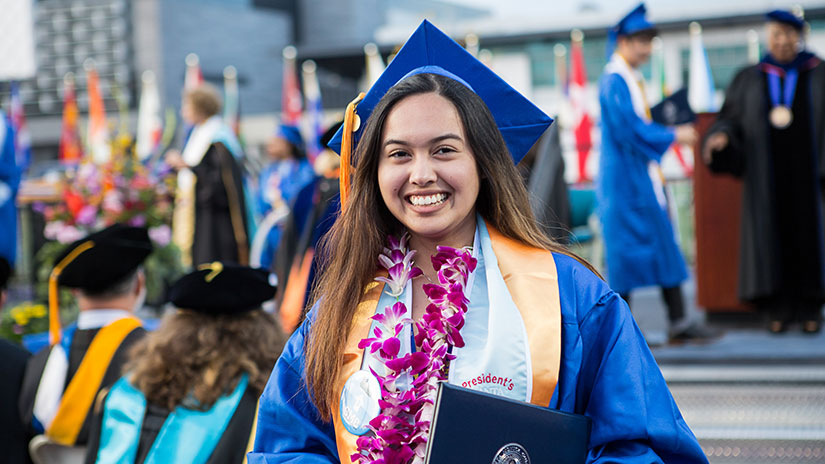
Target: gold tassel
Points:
(351, 124)
(54, 297)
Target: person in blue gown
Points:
(640, 242)
(9, 182)
(435, 157)
(281, 180)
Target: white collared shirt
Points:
(97, 318)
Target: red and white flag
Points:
(98, 135)
(582, 122)
(193, 76)
(149, 123)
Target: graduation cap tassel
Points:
(54, 297)
(351, 124)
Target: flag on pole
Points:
(98, 133)
(231, 100)
(375, 64)
(701, 92)
(70, 150)
(560, 54)
(290, 92)
(754, 53)
(22, 138)
(193, 76)
(312, 94)
(582, 123)
(149, 124)
(660, 91)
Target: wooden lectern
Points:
(718, 211)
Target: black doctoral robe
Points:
(230, 449)
(781, 245)
(220, 209)
(13, 437)
(80, 343)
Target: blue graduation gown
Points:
(639, 239)
(294, 176)
(607, 373)
(10, 176)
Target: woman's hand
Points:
(175, 160)
(716, 142)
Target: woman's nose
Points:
(423, 171)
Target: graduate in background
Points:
(62, 381)
(191, 387)
(771, 133)
(280, 182)
(315, 210)
(439, 138)
(640, 243)
(209, 222)
(9, 182)
(13, 437)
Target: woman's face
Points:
(427, 172)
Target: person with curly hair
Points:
(191, 388)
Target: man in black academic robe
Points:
(108, 285)
(13, 441)
(771, 132)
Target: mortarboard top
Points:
(95, 263)
(428, 50)
(786, 17)
(5, 272)
(223, 288)
(112, 254)
(634, 22)
(291, 134)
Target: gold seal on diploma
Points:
(781, 117)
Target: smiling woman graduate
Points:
(434, 159)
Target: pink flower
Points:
(138, 220)
(87, 215)
(398, 261)
(68, 234)
(161, 235)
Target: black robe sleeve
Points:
(13, 436)
(731, 159)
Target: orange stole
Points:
(82, 390)
(531, 278)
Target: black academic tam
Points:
(223, 288)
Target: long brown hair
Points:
(349, 251)
(204, 355)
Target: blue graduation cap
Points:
(429, 50)
(291, 134)
(786, 17)
(632, 23)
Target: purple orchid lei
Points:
(408, 388)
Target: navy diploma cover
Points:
(476, 427)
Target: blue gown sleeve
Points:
(625, 127)
(289, 428)
(9, 172)
(635, 419)
(609, 374)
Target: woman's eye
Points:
(398, 154)
(444, 150)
